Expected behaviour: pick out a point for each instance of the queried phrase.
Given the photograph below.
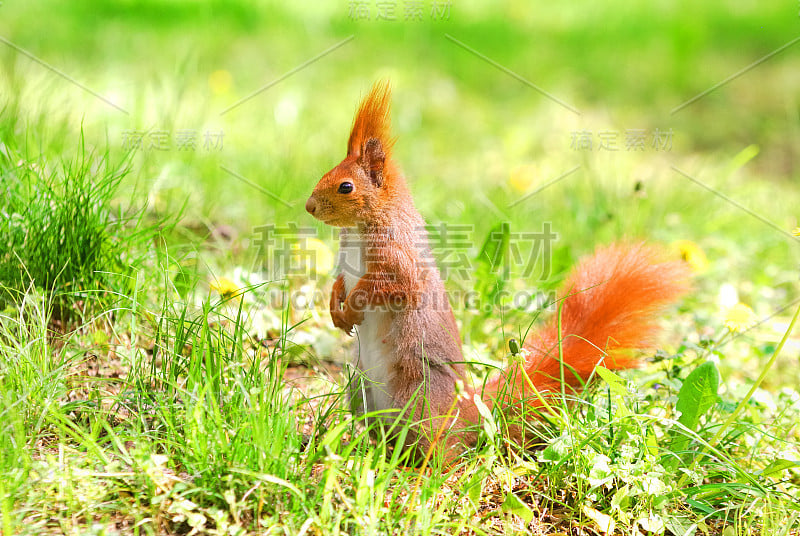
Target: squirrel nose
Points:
(311, 205)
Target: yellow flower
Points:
(796, 231)
(522, 177)
(739, 317)
(220, 82)
(224, 287)
(692, 254)
(317, 256)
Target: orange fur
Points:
(607, 312)
(373, 120)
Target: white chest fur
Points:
(374, 357)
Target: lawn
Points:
(167, 360)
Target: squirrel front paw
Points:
(343, 312)
(347, 318)
(341, 322)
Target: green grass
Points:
(61, 233)
(137, 399)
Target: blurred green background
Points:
(474, 140)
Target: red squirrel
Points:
(409, 351)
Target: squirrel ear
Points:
(372, 160)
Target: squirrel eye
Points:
(345, 187)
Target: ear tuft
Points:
(372, 120)
(373, 159)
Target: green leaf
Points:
(488, 420)
(698, 394)
(184, 280)
(778, 466)
(514, 505)
(617, 387)
(604, 522)
(680, 525)
(557, 450)
(614, 381)
(473, 486)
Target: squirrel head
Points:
(362, 186)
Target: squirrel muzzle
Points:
(311, 205)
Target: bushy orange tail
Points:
(607, 311)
